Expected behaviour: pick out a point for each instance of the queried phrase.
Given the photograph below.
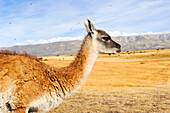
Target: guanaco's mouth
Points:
(117, 52)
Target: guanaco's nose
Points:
(118, 51)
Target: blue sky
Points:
(42, 21)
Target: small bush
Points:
(41, 59)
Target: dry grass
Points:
(126, 83)
(141, 100)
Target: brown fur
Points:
(31, 78)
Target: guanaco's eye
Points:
(106, 38)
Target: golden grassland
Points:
(128, 82)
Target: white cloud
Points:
(58, 39)
(151, 33)
(148, 4)
(117, 33)
(19, 44)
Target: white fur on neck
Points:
(89, 64)
(92, 55)
(88, 67)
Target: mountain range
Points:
(128, 43)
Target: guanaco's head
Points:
(101, 41)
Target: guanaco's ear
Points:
(87, 29)
(90, 25)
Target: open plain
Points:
(133, 82)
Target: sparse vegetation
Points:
(41, 59)
(122, 84)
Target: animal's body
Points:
(28, 85)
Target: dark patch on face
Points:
(106, 38)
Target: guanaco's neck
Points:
(76, 73)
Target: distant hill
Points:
(129, 43)
(144, 42)
(50, 49)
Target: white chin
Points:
(110, 52)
